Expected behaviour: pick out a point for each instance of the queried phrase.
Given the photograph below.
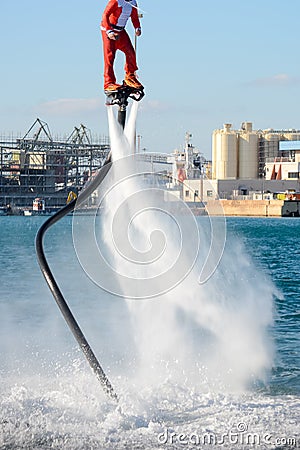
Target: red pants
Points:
(109, 50)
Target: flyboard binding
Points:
(120, 96)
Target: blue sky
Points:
(203, 63)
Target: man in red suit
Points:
(115, 37)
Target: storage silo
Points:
(248, 152)
(271, 144)
(292, 135)
(225, 153)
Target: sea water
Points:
(51, 399)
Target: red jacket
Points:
(117, 13)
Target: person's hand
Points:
(113, 36)
(138, 32)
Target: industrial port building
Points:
(38, 165)
(247, 165)
(248, 153)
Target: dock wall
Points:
(254, 208)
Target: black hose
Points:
(56, 292)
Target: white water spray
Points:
(151, 251)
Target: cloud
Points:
(68, 106)
(72, 106)
(154, 106)
(281, 79)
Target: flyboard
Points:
(119, 97)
